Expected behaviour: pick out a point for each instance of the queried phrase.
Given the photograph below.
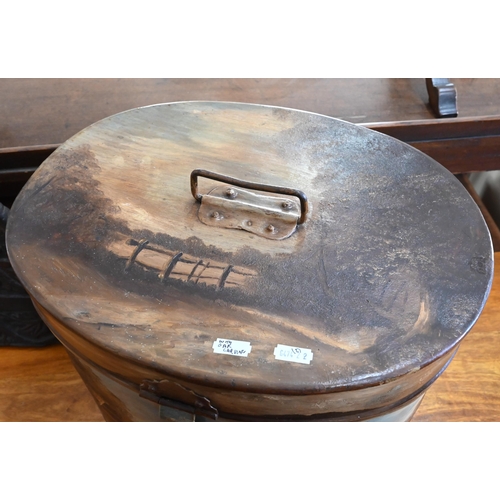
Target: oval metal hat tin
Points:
(226, 261)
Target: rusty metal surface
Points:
(386, 276)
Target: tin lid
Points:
(157, 234)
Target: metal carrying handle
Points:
(304, 204)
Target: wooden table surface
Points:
(50, 110)
(40, 384)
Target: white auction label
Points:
(294, 354)
(232, 347)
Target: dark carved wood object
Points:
(442, 97)
(20, 325)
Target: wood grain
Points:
(462, 144)
(41, 385)
(49, 111)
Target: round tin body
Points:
(206, 260)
